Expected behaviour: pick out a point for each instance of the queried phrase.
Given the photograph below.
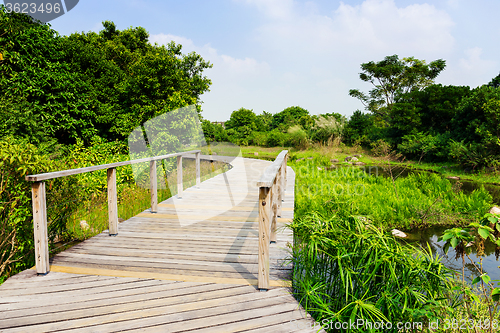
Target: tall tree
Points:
(392, 77)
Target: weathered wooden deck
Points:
(190, 267)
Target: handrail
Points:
(271, 185)
(40, 203)
(71, 172)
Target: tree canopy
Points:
(392, 77)
(89, 84)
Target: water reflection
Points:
(430, 236)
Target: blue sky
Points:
(271, 54)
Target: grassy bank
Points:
(347, 265)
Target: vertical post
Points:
(179, 177)
(40, 228)
(197, 169)
(284, 181)
(264, 205)
(274, 210)
(153, 184)
(112, 202)
(280, 190)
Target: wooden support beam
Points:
(280, 191)
(153, 184)
(264, 207)
(284, 181)
(112, 202)
(40, 228)
(274, 210)
(179, 177)
(198, 170)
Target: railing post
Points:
(112, 202)
(179, 177)
(280, 191)
(274, 210)
(153, 184)
(197, 169)
(284, 181)
(264, 205)
(40, 227)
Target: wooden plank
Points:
(264, 205)
(160, 276)
(197, 170)
(179, 177)
(112, 202)
(153, 185)
(203, 217)
(280, 191)
(71, 172)
(169, 298)
(271, 171)
(274, 211)
(40, 227)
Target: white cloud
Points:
(475, 68)
(234, 80)
(373, 26)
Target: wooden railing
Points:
(40, 204)
(271, 185)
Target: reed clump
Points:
(348, 270)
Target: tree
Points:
(41, 97)
(392, 77)
(495, 82)
(89, 84)
(293, 115)
(240, 125)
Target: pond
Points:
(430, 235)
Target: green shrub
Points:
(381, 148)
(275, 138)
(297, 138)
(18, 159)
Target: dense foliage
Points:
(89, 84)
(426, 121)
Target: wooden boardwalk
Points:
(192, 266)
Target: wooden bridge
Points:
(211, 259)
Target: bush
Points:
(425, 146)
(297, 137)
(381, 148)
(18, 159)
(327, 128)
(258, 138)
(275, 138)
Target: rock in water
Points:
(494, 210)
(398, 233)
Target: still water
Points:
(430, 236)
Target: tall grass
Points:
(347, 265)
(415, 201)
(348, 271)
